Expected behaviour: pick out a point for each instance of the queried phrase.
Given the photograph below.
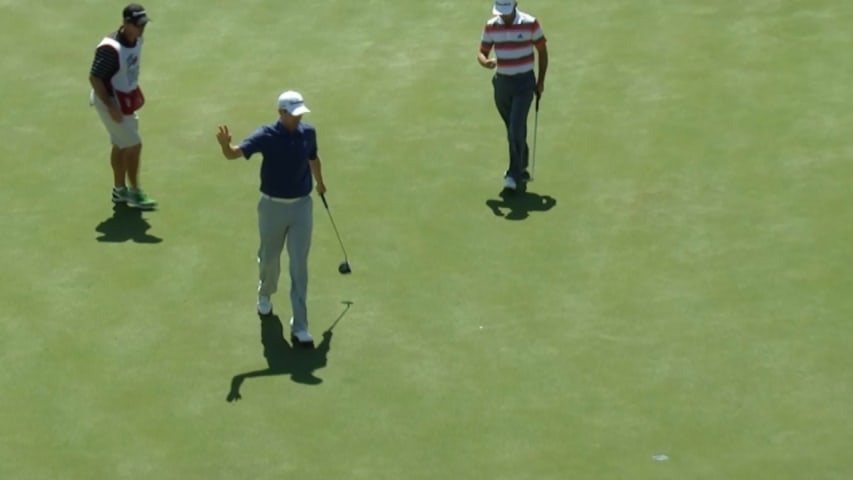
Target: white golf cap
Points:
(503, 7)
(292, 102)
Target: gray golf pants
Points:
(285, 223)
(513, 96)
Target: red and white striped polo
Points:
(513, 43)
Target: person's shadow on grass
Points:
(284, 359)
(519, 204)
(125, 224)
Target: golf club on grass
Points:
(344, 267)
(535, 129)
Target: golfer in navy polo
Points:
(289, 151)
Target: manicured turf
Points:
(676, 281)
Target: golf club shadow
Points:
(125, 224)
(285, 359)
(519, 204)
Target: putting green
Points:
(675, 282)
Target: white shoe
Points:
(509, 183)
(264, 305)
(303, 338)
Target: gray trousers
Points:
(513, 96)
(280, 225)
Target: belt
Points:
(280, 199)
(514, 75)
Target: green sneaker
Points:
(141, 200)
(120, 195)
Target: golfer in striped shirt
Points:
(514, 35)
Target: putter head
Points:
(344, 268)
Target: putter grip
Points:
(323, 198)
(537, 102)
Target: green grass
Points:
(688, 293)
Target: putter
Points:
(348, 304)
(535, 129)
(344, 267)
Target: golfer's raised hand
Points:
(223, 136)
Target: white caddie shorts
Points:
(122, 135)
